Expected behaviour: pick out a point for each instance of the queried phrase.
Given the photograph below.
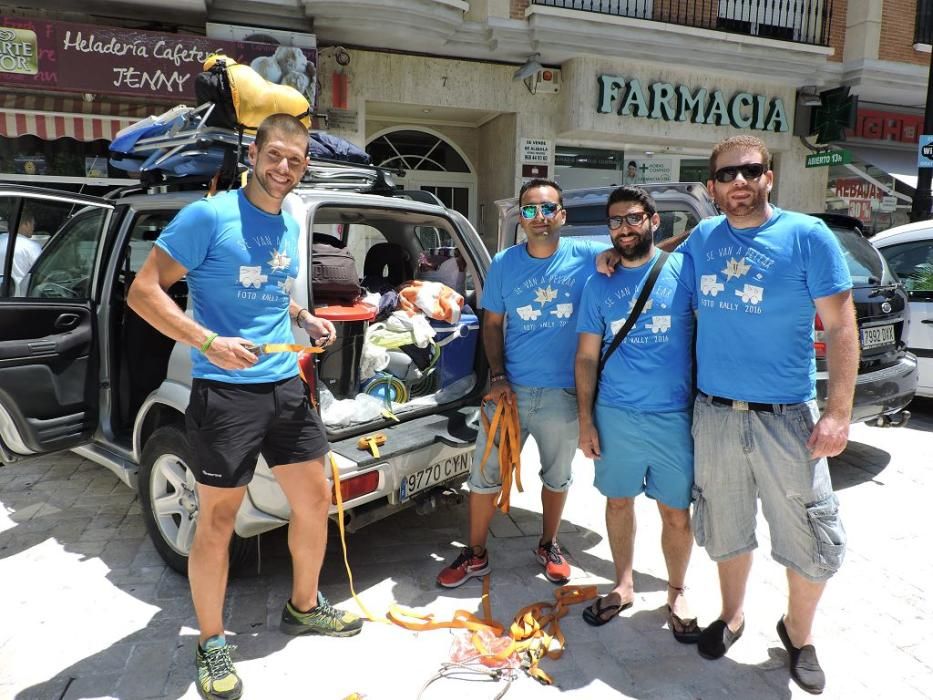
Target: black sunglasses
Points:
(633, 219)
(750, 171)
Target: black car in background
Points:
(887, 374)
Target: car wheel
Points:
(168, 495)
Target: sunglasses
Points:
(548, 209)
(750, 171)
(633, 219)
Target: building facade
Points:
(471, 98)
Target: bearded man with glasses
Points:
(530, 300)
(761, 273)
(638, 433)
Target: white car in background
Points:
(909, 252)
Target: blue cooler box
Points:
(458, 348)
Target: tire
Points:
(167, 485)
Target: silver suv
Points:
(80, 370)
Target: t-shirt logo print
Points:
(279, 261)
(751, 294)
(528, 313)
(735, 268)
(710, 286)
(659, 324)
(251, 276)
(545, 296)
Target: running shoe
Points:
(323, 618)
(217, 678)
(555, 564)
(466, 566)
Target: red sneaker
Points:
(552, 559)
(466, 566)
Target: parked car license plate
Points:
(436, 473)
(876, 336)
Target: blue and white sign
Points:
(925, 151)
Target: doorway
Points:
(431, 164)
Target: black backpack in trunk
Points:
(333, 274)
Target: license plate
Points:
(877, 336)
(436, 473)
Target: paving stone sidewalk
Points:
(88, 610)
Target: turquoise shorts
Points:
(644, 452)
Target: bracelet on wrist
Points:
(298, 315)
(501, 377)
(207, 343)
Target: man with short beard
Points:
(639, 431)
(239, 253)
(761, 272)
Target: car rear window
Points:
(866, 266)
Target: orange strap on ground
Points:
(505, 421)
(338, 496)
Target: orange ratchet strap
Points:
(505, 420)
(288, 347)
(532, 632)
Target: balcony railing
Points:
(799, 21)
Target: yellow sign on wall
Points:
(19, 51)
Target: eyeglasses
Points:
(750, 171)
(633, 219)
(548, 209)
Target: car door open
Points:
(48, 342)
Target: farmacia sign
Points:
(743, 110)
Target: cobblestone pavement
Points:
(88, 610)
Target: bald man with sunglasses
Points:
(761, 273)
(530, 302)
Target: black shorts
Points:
(229, 425)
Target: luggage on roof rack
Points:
(180, 147)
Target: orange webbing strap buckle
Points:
(505, 421)
(338, 496)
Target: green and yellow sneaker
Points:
(323, 618)
(217, 679)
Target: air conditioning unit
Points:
(546, 80)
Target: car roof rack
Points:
(328, 174)
(178, 150)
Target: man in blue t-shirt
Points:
(239, 254)
(531, 294)
(761, 273)
(639, 432)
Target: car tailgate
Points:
(455, 427)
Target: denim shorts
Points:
(549, 415)
(644, 452)
(743, 455)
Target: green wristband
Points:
(207, 343)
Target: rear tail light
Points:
(357, 486)
(819, 338)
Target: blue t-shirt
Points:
(755, 292)
(242, 264)
(538, 297)
(652, 369)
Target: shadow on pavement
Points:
(89, 513)
(858, 464)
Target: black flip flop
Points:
(599, 614)
(684, 631)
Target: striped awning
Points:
(52, 118)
